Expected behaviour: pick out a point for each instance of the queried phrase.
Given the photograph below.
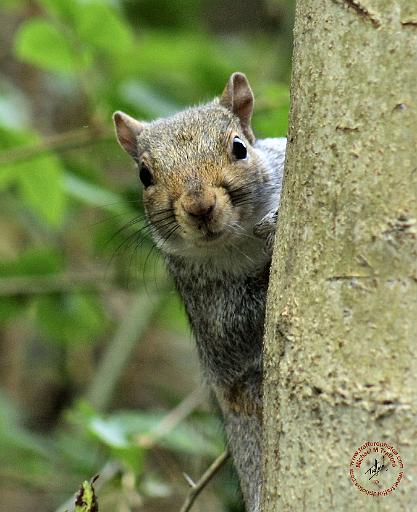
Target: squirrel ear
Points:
(238, 97)
(127, 131)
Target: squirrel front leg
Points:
(265, 229)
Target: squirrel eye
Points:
(239, 149)
(145, 176)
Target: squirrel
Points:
(211, 194)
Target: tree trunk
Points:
(341, 329)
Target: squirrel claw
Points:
(265, 229)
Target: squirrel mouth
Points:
(210, 236)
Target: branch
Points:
(204, 480)
(32, 285)
(61, 142)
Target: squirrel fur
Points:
(211, 194)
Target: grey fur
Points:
(223, 284)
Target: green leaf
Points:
(94, 195)
(192, 438)
(39, 180)
(10, 140)
(110, 432)
(101, 27)
(71, 318)
(146, 99)
(9, 308)
(61, 8)
(41, 188)
(40, 43)
(33, 262)
(121, 431)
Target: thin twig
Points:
(120, 348)
(32, 285)
(173, 418)
(189, 480)
(61, 142)
(200, 484)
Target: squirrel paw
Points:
(265, 229)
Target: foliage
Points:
(86, 500)
(71, 211)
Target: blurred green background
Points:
(98, 371)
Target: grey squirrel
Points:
(211, 195)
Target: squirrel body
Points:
(211, 194)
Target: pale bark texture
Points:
(341, 333)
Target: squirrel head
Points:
(201, 175)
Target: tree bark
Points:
(341, 329)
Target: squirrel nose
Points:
(201, 208)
